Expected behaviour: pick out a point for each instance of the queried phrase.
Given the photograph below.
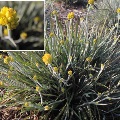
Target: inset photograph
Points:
(21, 25)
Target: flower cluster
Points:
(1, 83)
(51, 34)
(8, 17)
(27, 104)
(46, 108)
(37, 88)
(8, 59)
(37, 64)
(94, 41)
(47, 58)
(35, 77)
(70, 15)
(23, 35)
(55, 69)
(54, 12)
(88, 59)
(70, 72)
(118, 10)
(36, 19)
(91, 2)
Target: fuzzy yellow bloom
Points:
(54, 12)
(37, 64)
(51, 34)
(36, 19)
(118, 10)
(35, 77)
(23, 35)
(1, 83)
(8, 17)
(8, 59)
(27, 104)
(46, 108)
(99, 94)
(102, 66)
(5, 32)
(88, 59)
(70, 72)
(37, 88)
(91, 2)
(61, 42)
(94, 41)
(70, 15)
(9, 74)
(47, 58)
(0, 56)
(55, 69)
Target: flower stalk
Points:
(10, 38)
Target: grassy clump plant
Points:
(76, 78)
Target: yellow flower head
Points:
(46, 108)
(54, 12)
(8, 59)
(47, 58)
(37, 64)
(37, 88)
(23, 35)
(8, 17)
(36, 19)
(99, 94)
(102, 66)
(118, 10)
(5, 32)
(1, 83)
(61, 42)
(70, 15)
(27, 104)
(55, 69)
(9, 74)
(35, 77)
(1, 56)
(88, 59)
(94, 41)
(51, 34)
(91, 2)
(70, 72)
